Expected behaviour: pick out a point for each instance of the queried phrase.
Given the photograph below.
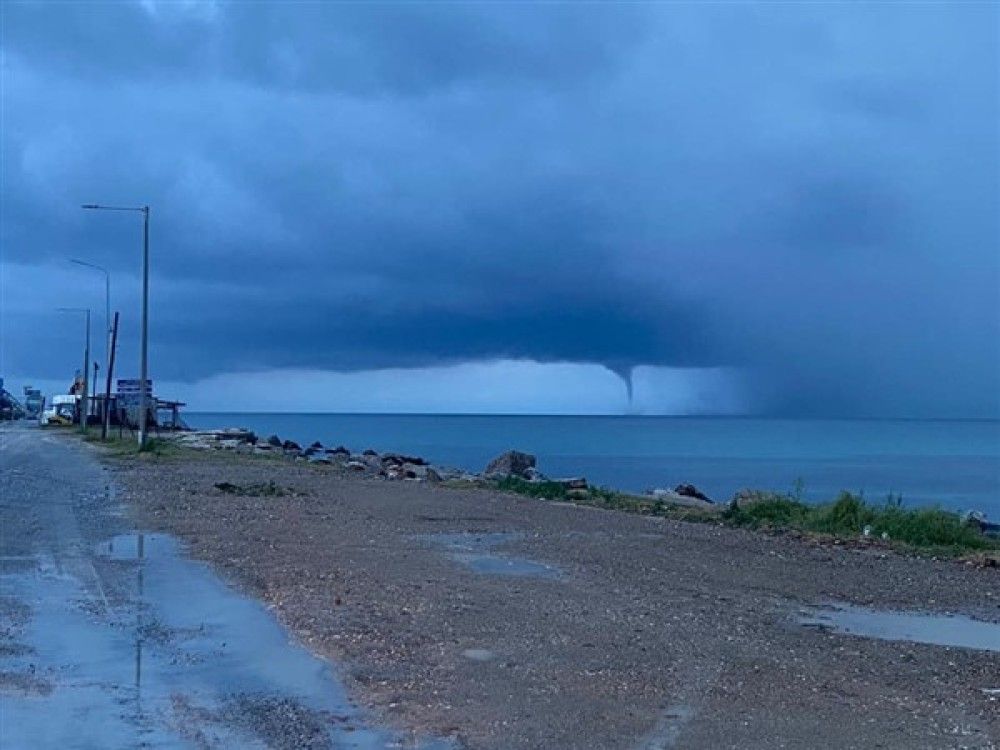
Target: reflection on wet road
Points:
(126, 643)
(916, 627)
(475, 550)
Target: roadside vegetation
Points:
(601, 497)
(129, 446)
(848, 517)
(259, 489)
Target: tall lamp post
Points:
(144, 332)
(105, 416)
(84, 406)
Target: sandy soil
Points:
(636, 633)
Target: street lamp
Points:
(107, 344)
(144, 332)
(84, 406)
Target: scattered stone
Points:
(511, 463)
(355, 466)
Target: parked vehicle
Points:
(63, 410)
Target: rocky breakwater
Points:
(368, 463)
(510, 470)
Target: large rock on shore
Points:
(510, 464)
(689, 490)
(672, 497)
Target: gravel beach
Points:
(507, 622)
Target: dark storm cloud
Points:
(807, 193)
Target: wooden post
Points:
(107, 389)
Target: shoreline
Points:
(645, 620)
(954, 465)
(846, 519)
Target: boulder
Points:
(573, 483)
(977, 520)
(433, 476)
(534, 475)
(240, 434)
(671, 497)
(369, 452)
(274, 441)
(400, 458)
(689, 490)
(291, 445)
(414, 471)
(511, 463)
(338, 451)
(355, 466)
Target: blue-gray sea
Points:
(953, 463)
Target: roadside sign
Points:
(131, 387)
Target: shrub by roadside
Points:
(848, 517)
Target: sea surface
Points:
(952, 463)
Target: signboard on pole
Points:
(131, 386)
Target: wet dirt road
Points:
(111, 638)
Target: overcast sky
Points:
(771, 208)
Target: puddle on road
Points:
(916, 627)
(475, 552)
(668, 729)
(167, 668)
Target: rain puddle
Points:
(916, 627)
(183, 661)
(475, 552)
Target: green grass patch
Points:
(129, 446)
(260, 489)
(931, 530)
(849, 515)
(601, 497)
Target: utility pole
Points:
(144, 332)
(143, 358)
(107, 390)
(86, 367)
(107, 343)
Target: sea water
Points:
(953, 463)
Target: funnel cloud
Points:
(801, 195)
